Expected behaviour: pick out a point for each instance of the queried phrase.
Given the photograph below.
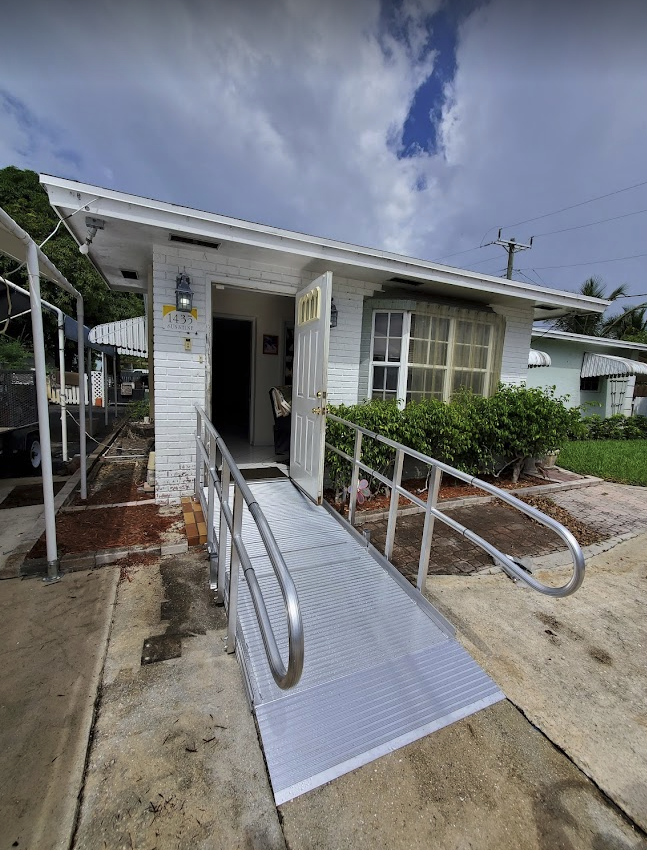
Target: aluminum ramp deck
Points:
(381, 668)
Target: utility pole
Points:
(511, 245)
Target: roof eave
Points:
(65, 193)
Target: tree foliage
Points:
(593, 324)
(25, 200)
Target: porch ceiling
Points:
(134, 225)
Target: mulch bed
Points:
(450, 488)
(91, 531)
(119, 479)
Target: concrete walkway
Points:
(53, 641)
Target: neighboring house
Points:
(602, 375)
(400, 328)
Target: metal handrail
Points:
(231, 522)
(509, 565)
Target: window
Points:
(387, 348)
(432, 354)
(590, 385)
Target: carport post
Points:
(33, 271)
(114, 379)
(80, 356)
(89, 386)
(61, 367)
(106, 392)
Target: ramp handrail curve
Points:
(510, 566)
(285, 676)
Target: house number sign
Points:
(182, 323)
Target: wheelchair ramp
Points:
(382, 667)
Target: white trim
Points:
(602, 341)
(64, 194)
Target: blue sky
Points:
(419, 126)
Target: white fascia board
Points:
(601, 341)
(70, 194)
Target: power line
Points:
(574, 206)
(591, 262)
(590, 224)
(457, 253)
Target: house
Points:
(264, 304)
(604, 376)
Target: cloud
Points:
(300, 115)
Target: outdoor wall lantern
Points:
(183, 293)
(334, 312)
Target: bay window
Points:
(433, 351)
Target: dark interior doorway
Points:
(231, 388)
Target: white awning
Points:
(538, 358)
(130, 336)
(596, 365)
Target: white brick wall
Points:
(179, 376)
(346, 339)
(182, 378)
(514, 364)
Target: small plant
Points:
(138, 410)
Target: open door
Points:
(310, 386)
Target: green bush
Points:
(474, 434)
(616, 427)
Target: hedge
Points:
(474, 434)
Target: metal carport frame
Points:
(17, 243)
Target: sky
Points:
(414, 126)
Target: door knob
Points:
(317, 410)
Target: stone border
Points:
(101, 558)
(362, 517)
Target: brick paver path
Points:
(451, 554)
(610, 509)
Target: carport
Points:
(18, 244)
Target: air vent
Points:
(129, 274)
(405, 280)
(189, 240)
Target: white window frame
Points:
(401, 392)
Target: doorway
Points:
(231, 390)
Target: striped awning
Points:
(599, 365)
(538, 358)
(129, 336)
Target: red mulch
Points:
(90, 531)
(450, 488)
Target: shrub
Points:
(616, 427)
(472, 433)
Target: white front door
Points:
(310, 386)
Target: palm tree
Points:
(630, 325)
(592, 324)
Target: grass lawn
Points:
(614, 460)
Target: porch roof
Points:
(135, 224)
